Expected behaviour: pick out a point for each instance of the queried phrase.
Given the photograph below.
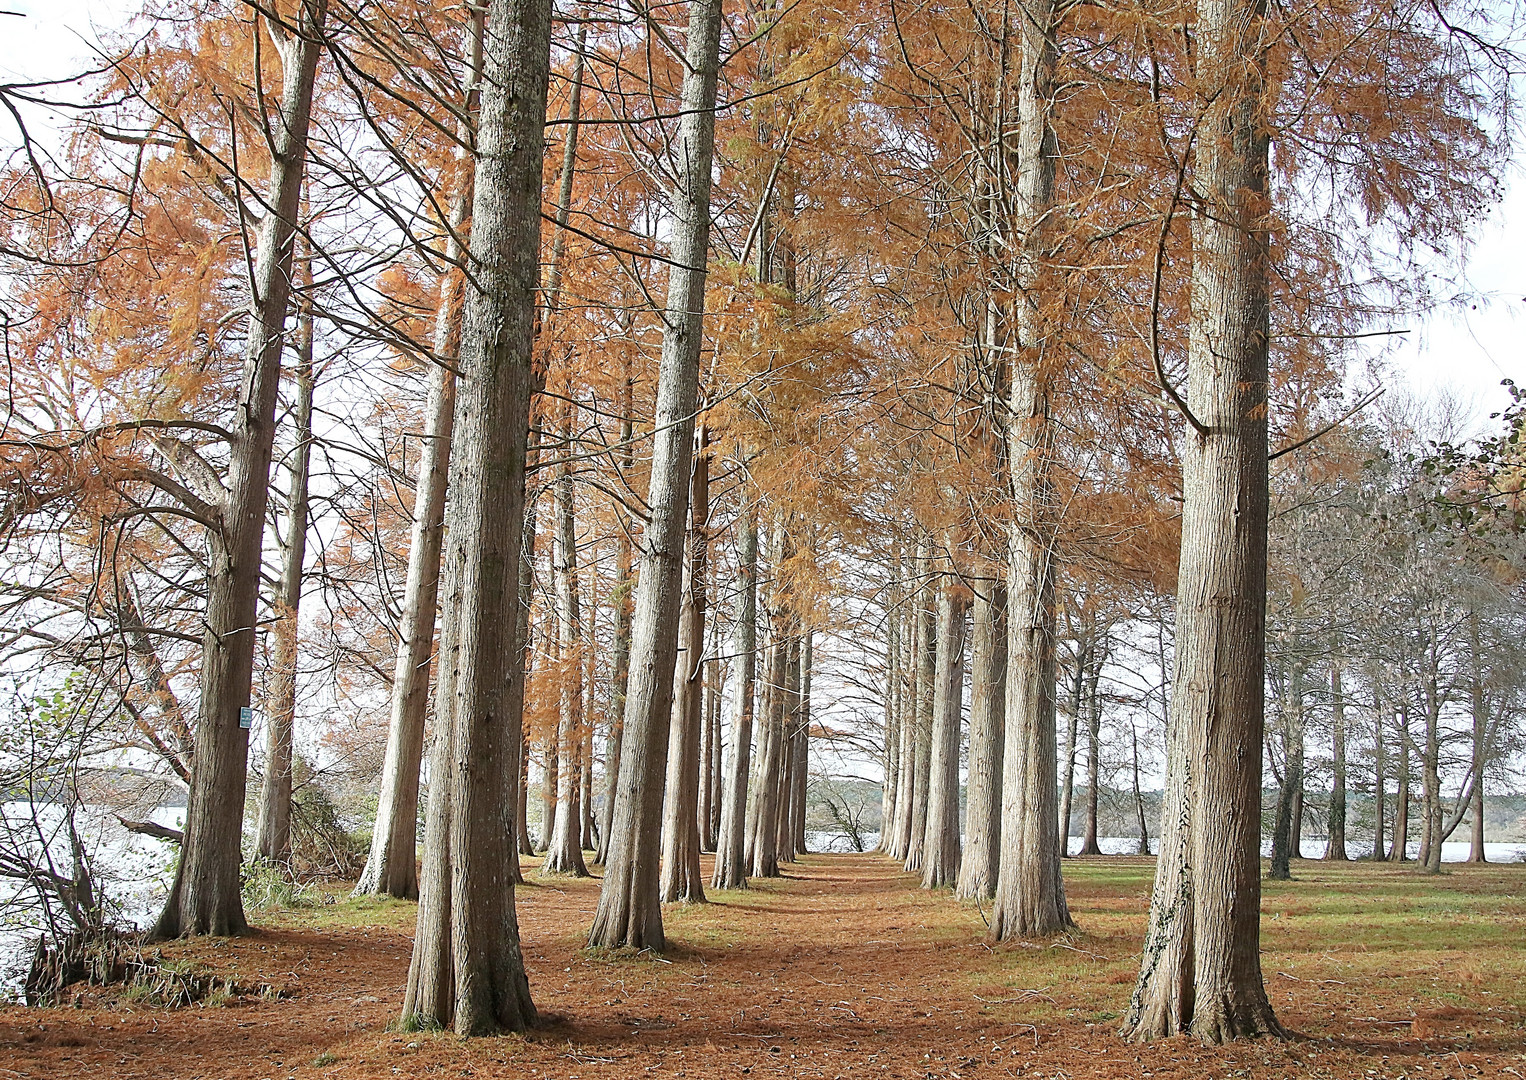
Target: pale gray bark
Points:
(941, 847)
(1089, 845)
(731, 843)
(682, 879)
(481, 683)
(1201, 966)
(1335, 848)
(564, 852)
(205, 897)
(1030, 894)
(620, 599)
(988, 710)
(630, 912)
(921, 742)
(273, 835)
(392, 866)
(1068, 773)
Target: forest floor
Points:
(843, 968)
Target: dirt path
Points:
(842, 968)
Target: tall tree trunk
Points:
(1068, 784)
(524, 640)
(891, 756)
(771, 750)
(731, 842)
(1139, 803)
(1030, 894)
(621, 600)
(205, 897)
(1335, 847)
(682, 878)
(940, 862)
(927, 666)
(906, 786)
(1430, 778)
(1379, 763)
(273, 836)
(1285, 832)
(803, 747)
(1479, 710)
(564, 852)
(707, 792)
(1399, 850)
(392, 866)
(1089, 845)
(630, 911)
(481, 685)
(550, 783)
(1201, 964)
(988, 690)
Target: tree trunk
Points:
(550, 784)
(681, 875)
(273, 836)
(1399, 850)
(1089, 845)
(940, 862)
(731, 843)
(1379, 794)
(803, 746)
(1068, 787)
(707, 792)
(1030, 894)
(771, 749)
(392, 866)
(1479, 711)
(906, 785)
(1335, 848)
(205, 897)
(988, 688)
(1139, 803)
(1285, 832)
(927, 663)
(1201, 964)
(891, 756)
(1431, 778)
(564, 852)
(630, 911)
(481, 685)
(621, 599)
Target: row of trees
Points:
(851, 319)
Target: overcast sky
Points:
(1466, 349)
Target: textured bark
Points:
(1139, 803)
(564, 852)
(764, 846)
(707, 740)
(1398, 850)
(1030, 894)
(1479, 711)
(205, 897)
(273, 835)
(682, 879)
(921, 744)
(392, 866)
(988, 710)
(630, 912)
(1285, 831)
(1089, 845)
(481, 684)
(906, 783)
(941, 849)
(803, 744)
(620, 599)
(1379, 780)
(1068, 775)
(1430, 779)
(891, 756)
(1335, 848)
(731, 842)
(1201, 965)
